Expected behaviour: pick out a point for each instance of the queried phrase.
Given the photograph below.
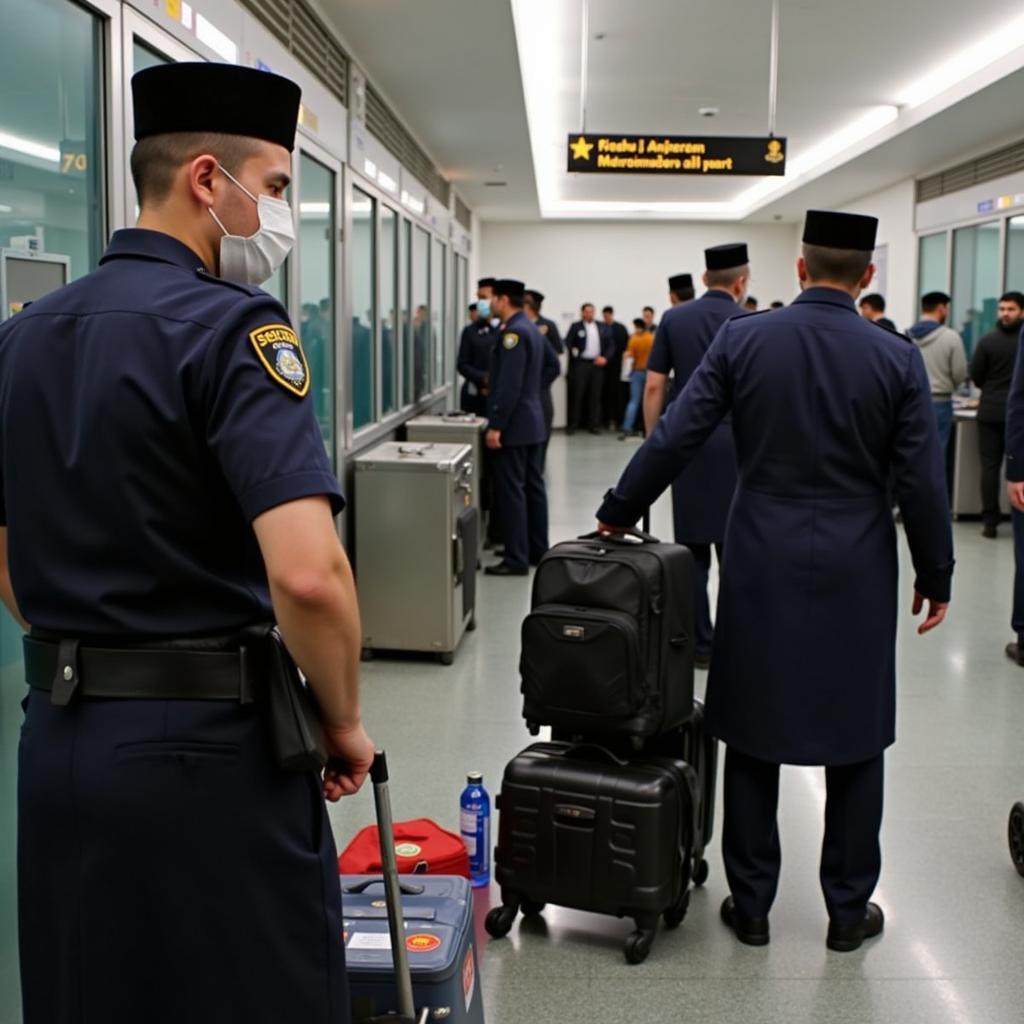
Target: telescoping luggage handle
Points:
(393, 897)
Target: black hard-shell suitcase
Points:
(699, 750)
(583, 828)
(607, 649)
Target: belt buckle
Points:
(65, 679)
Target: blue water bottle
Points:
(475, 826)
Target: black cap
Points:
(833, 230)
(679, 282)
(507, 286)
(485, 282)
(535, 296)
(726, 257)
(213, 97)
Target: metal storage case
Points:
(416, 542)
(456, 428)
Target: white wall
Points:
(894, 208)
(628, 265)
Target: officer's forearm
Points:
(654, 400)
(319, 621)
(7, 596)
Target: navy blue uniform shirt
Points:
(522, 363)
(148, 413)
(685, 334)
(475, 345)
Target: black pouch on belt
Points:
(295, 723)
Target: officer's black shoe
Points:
(594, 430)
(1014, 653)
(753, 931)
(845, 938)
(504, 569)
(702, 660)
(989, 531)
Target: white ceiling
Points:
(452, 70)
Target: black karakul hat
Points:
(680, 281)
(536, 296)
(510, 287)
(833, 230)
(212, 97)
(485, 282)
(726, 257)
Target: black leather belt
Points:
(66, 668)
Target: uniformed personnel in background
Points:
(165, 496)
(680, 289)
(533, 303)
(825, 407)
(702, 494)
(523, 364)
(475, 346)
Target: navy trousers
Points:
(851, 858)
(520, 496)
(701, 602)
(168, 871)
(1017, 620)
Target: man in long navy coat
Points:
(825, 408)
(702, 493)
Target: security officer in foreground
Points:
(165, 491)
(475, 347)
(703, 492)
(824, 406)
(522, 366)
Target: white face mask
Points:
(253, 260)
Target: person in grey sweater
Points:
(992, 366)
(944, 358)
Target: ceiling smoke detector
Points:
(495, 184)
(708, 111)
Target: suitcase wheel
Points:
(675, 916)
(700, 876)
(638, 946)
(529, 909)
(533, 728)
(1016, 831)
(499, 921)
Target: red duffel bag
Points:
(421, 846)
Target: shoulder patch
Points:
(281, 353)
(510, 340)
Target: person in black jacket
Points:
(614, 398)
(590, 348)
(992, 370)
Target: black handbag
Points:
(295, 723)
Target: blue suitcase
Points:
(439, 938)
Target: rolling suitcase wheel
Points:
(530, 909)
(638, 946)
(700, 876)
(675, 916)
(1016, 834)
(499, 921)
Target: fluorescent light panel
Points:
(541, 28)
(216, 40)
(314, 209)
(30, 148)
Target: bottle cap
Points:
(475, 777)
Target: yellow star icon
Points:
(581, 149)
